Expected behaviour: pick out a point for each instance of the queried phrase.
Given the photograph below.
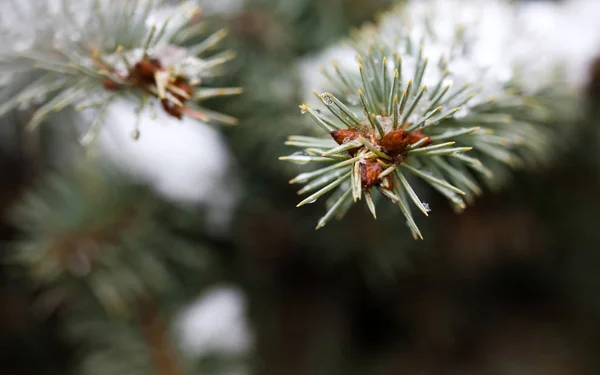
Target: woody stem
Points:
(155, 333)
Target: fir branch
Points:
(94, 230)
(443, 125)
(93, 49)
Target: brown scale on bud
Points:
(184, 86)
(342, 136)
(369, 173)
(143, 75)
(172, 108)
(416, 136)
(387, 183)
(111, 85)
(145, 70)
(395, 142)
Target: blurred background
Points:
(205, 266)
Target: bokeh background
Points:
(242, 284)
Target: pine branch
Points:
(88, 52)
(96, 247)
(420, 104)
(94, 231)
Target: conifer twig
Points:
(91, 51)
(414, 119)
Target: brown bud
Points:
(110, 85)
(369, 172)
(345, 135)
(145, 69)
(171, 108)
(184, 86)
(416, 136)
(395, 142)
(389, 183)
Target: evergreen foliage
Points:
(419, 99)
(437, 101)
(86, 53)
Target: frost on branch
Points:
(84, 53)
(435, 91)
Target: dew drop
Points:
(326, 99)
(303, 111)
(426, 205)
